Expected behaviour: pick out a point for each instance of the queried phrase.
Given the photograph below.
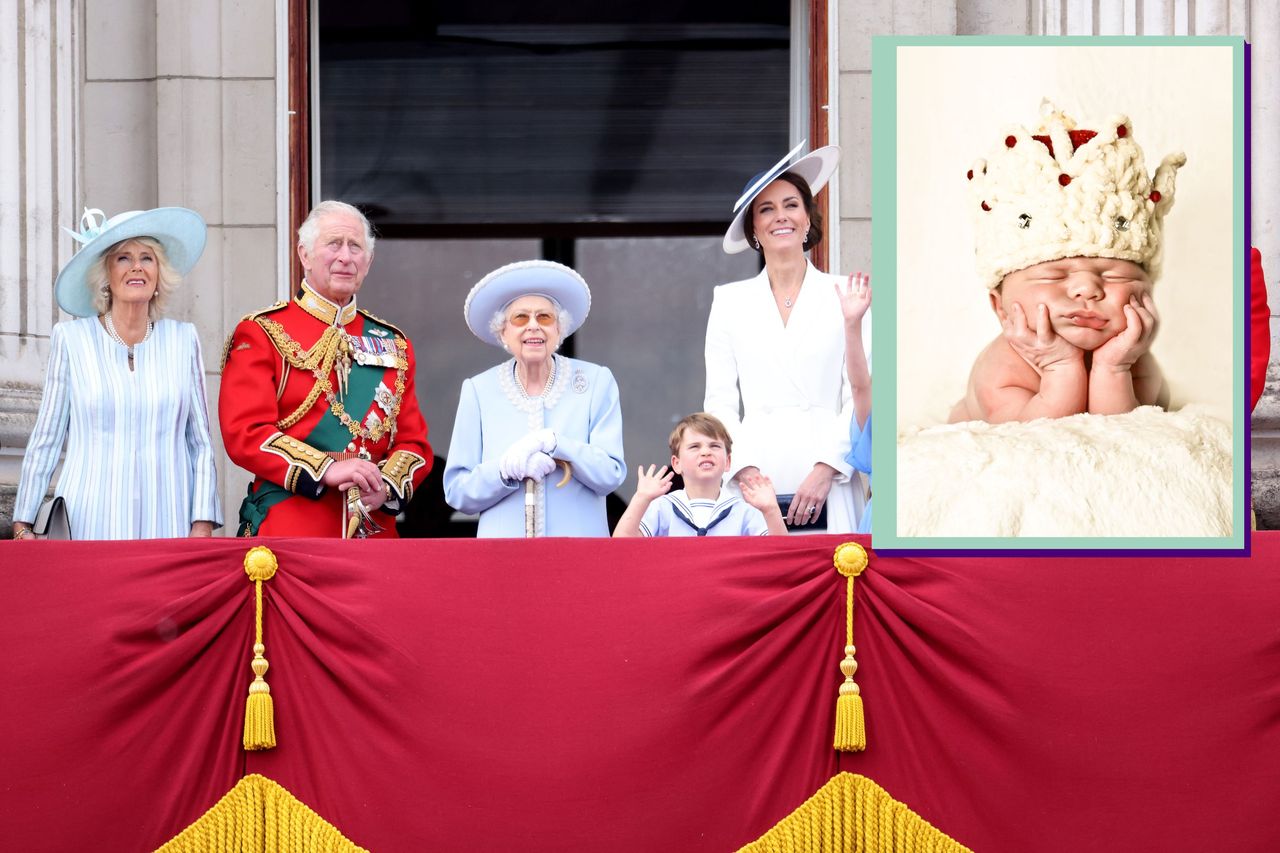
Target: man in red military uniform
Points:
(318, 398)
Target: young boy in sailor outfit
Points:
(700, 447)
(1068, 229)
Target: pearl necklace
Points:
(551, 379)
(115, 336)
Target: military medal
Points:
(373, 351)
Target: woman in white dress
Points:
(775, 353)
(125, 389)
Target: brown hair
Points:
(703, 423)
(806, 197)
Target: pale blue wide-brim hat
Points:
(526, 278)
(181, 232)
(816, 168)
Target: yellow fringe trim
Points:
(851, 729)
(852, 814)
(259, 712)
(260, 816)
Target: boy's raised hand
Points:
(1126, 348)
(855, 299)
(1039, 345)
(758, 491)
(652, 484)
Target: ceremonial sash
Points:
(328, 435)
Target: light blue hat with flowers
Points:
(181, 232)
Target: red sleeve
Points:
(1259, 330)
(248, 411)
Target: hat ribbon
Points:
(90, 225)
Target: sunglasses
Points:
(544, 318)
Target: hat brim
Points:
(526, 278)
(816, 168)
(181, 232)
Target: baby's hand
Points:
(651, 484)
(1122, 351)
(1042, 347)
(758, 491)
(855, 299)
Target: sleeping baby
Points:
(1068, 229)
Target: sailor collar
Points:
(329, 313)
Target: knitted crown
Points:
(1064, 192)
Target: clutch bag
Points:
(819, 523)
(52, 521)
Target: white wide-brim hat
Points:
(181, 232)
(816, 168)
(499, 288)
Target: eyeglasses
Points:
(544, 318)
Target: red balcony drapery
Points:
(639, 695)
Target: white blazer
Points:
(790, 385)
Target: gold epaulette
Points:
(393, 327)
(252, 315)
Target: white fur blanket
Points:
(1144, 473)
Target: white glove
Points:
(540, 465)
(513, 463)
(546, 440)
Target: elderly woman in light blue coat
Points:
(536, 416)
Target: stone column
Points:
(39, 73)
(857, 23)
(216, 145)
(130, 104)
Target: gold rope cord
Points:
(320, 360)
(852, 814)
(258, 815)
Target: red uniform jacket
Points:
(285, 417)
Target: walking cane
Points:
(530, 509)
(530, 500)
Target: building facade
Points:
(140, 103)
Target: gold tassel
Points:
(259, 712)
(851, 731)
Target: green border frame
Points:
(884, 148)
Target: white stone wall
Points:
(127, 104)
(1257, 20)
(39, 68)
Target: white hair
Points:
(498, 321)
(309, 230)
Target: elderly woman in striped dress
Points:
(125, 389)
